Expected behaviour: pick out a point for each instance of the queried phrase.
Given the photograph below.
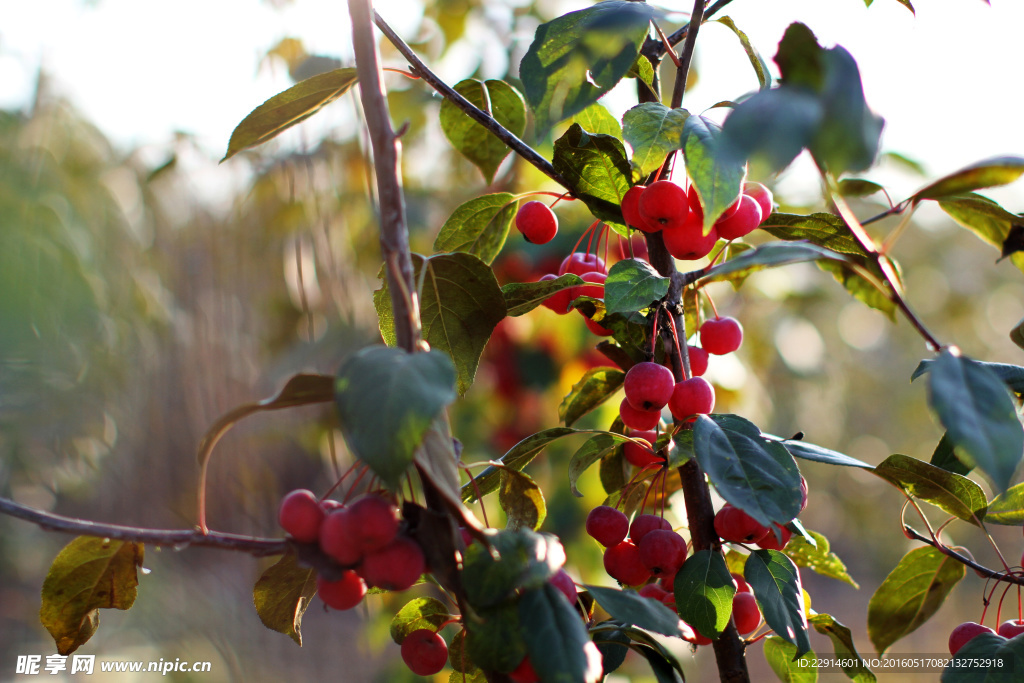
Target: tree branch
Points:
(178, 538)
(480, 116)
(658, 49)
(683, 72)
(394, 233)
(980, 570)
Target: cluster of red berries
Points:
(592, 270)
(677, 213)
(635, 553)
(362, 537)
(969, 630)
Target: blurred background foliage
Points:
(135, 309)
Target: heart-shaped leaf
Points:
(632, 285)
(282, 594)
(479, 226)
(704, 590)
(595, 387)
(653, 131)
(471, 139)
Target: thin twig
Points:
(981, 570)
(177, 538)
(658, 49)
(483, 118)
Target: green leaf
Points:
(988, 220)
(819, 557)
(597, 120)
(592, 450)
(853, 664)
(612, 472)
(782, 658)
(493, 640)
(580, 56)
(704, 590)
(523, 297)
(474, 676)
(517, 560)
(460, 305)
(418, 613)
(614, 646)
(771, 128)
(972, 403)
(1017, 334)
(764, 76)
(633, 285)
(479, 226)
(754, 474)
(775, 581)
(858, 187)
(596, 168)
(664, 669)
(770, 255)
(910, 595)
(282, 594)
(799, 57)
(987, 173)
(518, 457)
(630, 607)
(987, 658)
(957, 495)
(284, 110)
(945, 456)
(459, 658)
(594, 388)
(1008, 507)
(88, 574)
(653, 131)
(810, 451)
(386, 399)
(718, 179)
(471, 139)
(556, 638)
(522, 500)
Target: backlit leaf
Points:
(704, 590)
(770, 255)
(1008, 507)
(523, 297)
(471, 139)
(987, 173)
(819, 557)
(632, 285)
(579, 56)
(597, 120)
(522, 500)
(518, 559)
(986, 219)
(652, 131)
(594, 449)
(957, 495)
(718, 179)
(88, 574)
(781, 657)
(479, 226)
(386, 399)
(853, 664)
(911, 594)
(593, 389)
(775, 581)
(976, 409)
(284, 110)
(494, 640)
(597, 170)
(282, 594)
(810, 451)
(518, 457)
(418, 613)
(764, 76)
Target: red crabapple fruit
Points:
(631, 210)
(564, 583)
(559, 301)
(770, 542)
(622, 562)
(698, 360)
(964, 633)
(762, 195)
(662, 551)
(741, 223)
(643, 420)
(1011, 628)
(579, 263)
(745, 612)
(375, 521)
(524, 672)
(663, 205)
(645, 524)
(607, 525)
(424, 652)
(638, 455)
(688, 241)
(694, 396)
(721, 335)
(537, 222)
(338, 538)
(345, 593)
(648, 386)
(396, 566)
(301, 515)
(735, 526)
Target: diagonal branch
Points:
(980, 570)
(480, 116)
(178, 538)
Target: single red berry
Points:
(762, 195)
(559, 301)
(607, 525)
(524, 672)
(742, 222)
(301, 515)
(741, 584)
(694, 396)
(1011, 628)
(964, 633)
(338, 538)
(537, 222)
(396, 566)
(644, 420)
(698, 360)
(375, 521)
(688, 241)
(662, 551)
(745, 612)
(736, 526)
(579, 263)
(648, 386)
(664, 204)
(631, 210)
(653, 591)
(564, 583)
(345, 593)
(424, 652)
(668, 582)
(622, 562)
(638, 455)
(770, 542)
(645, 524)
(721, 335)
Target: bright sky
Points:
(947, 81)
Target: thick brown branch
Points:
(474, 112)
(394, 233)
(178, 538)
